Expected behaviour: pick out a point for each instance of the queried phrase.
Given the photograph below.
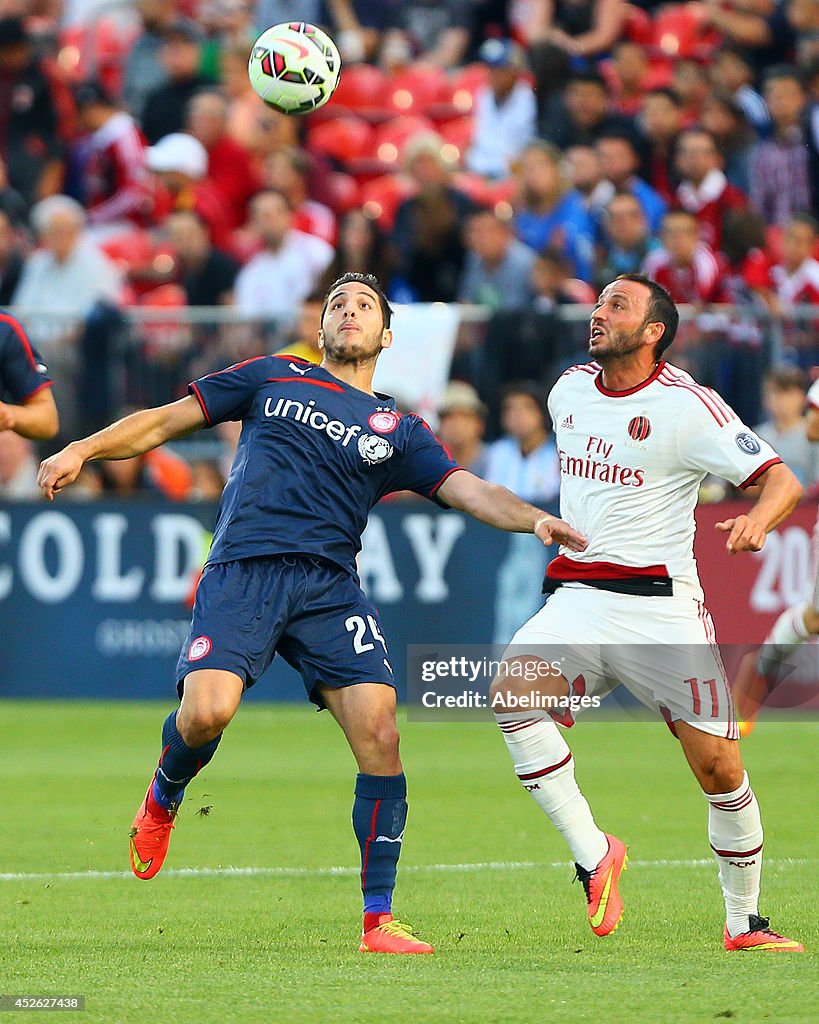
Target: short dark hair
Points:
(371, 281)
(528, 389)
(778, 71)
(786, 378)
(661, 310)
(590, 78)
(670, 94)
(804, 218)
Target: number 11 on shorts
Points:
(696, 688)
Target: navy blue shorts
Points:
(310, 611)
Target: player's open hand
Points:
(59, 471)
(743, 534)
(551, 530)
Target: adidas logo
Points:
(567, 424)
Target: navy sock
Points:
(178, 763)
(379, 816)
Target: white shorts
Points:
(662, 649)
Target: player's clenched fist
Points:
(59, 471)
(744, 535)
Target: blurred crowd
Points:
(511, 154)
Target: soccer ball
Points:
(294, 67)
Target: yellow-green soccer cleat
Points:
(605, 905)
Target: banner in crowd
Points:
(95, 599)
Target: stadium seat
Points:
(457, 133)
(343, 192)
(362, 90)
(392, 136)
(381, 197)
(418, 87)
(344, 139)
(681, 31)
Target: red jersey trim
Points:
(757, 473)
(658, 369)
(235, 366)
(721, 412)
(292, 359)
(564, 568)
(201, 402)
(21, 334)
(305, 380)
(444, 478)
(38, 389)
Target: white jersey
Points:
(631, 464)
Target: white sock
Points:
(790, 629)
(544, 764)
(735, 833)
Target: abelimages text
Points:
(508, 701)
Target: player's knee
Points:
(203, 722)
(384, 736)
(722, 772)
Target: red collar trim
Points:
(598, 381)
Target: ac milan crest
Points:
(639, 428)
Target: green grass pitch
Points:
(483, 876)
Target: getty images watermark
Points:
(627, 682)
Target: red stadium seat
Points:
(392, 136)
(381, 197)
(457, 133)
(362, 89)
(344, 139)
(417, 88)
(681, 31)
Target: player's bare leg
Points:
(190, 737)
(366, 714)
(735, 834)
(544, 764)
(761, 671)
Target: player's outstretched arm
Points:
(36, 418)
(779, 492)
(497, 506)
(133, 435)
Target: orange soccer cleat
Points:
(150, 836)
(760, 937)
(388, 936)
(605, 905)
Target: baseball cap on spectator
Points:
(179, 152)
(184, 28)
(461, 397)
(502, 53)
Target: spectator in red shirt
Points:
(116, 184)
(181, 163)
(796, 277)
(704, 189)
(745, 267)
(231, 169)
(629, 78)
(685, 265)
(288, 170)
(661, 121)
(691, 83)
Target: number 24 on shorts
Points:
(358, 626)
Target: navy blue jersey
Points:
(22, 371)
(314, 456)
